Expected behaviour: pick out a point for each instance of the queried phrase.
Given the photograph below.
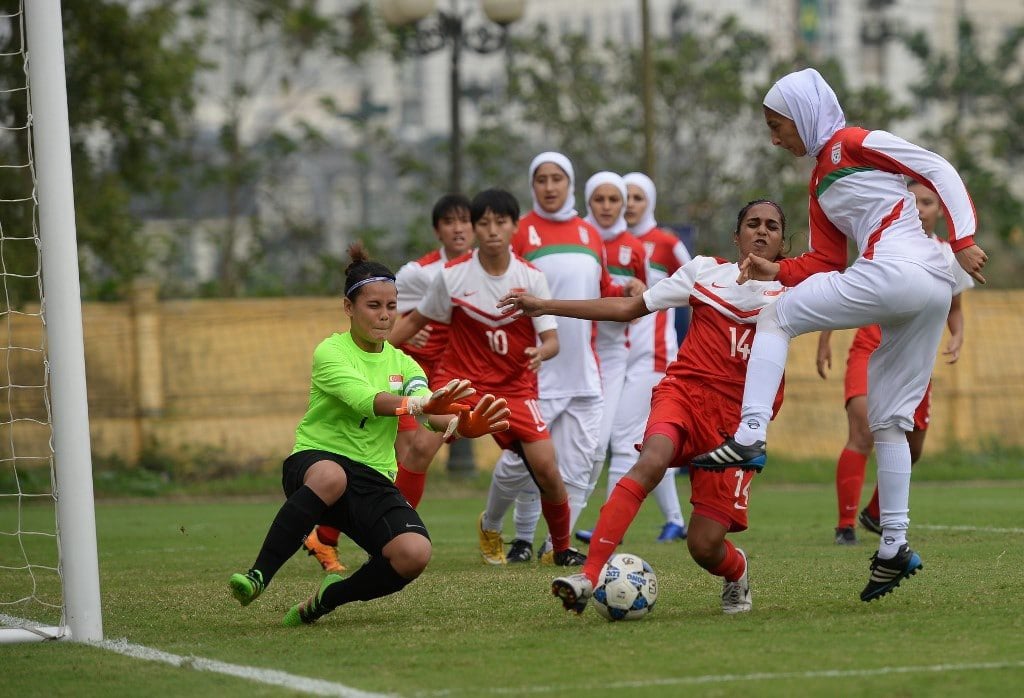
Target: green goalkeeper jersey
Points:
(340, 416)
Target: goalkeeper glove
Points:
(443, 401)
(489, 416)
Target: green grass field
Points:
(466, 629)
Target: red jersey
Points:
(717, 345)
(413, 280)
(485, 346)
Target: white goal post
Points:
(61, 310)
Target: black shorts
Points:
(371, 511)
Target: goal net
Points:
(49, 587)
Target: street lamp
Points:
(433, 30)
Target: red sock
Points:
(557, 517)
(615, 517)
(411, 485)
(328, 535)
(872, 506)
(732, 566)
(849, 482)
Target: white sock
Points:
(764, 375)
(893, 495)
(667, 497)
(577, 501)
(499, 499)
(527, 514)
(617, 469)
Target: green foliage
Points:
(977, 91)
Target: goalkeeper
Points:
(342, 469)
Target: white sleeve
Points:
(674, 291)
(412, 281)
(681, 253)
(539, 288)
(437, 301)
(938, 175)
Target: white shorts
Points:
(909, 301)
(633, 409)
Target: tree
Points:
(130, 90)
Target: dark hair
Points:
(449, 203)
(752, 204)
(499, 201)
(361, 269)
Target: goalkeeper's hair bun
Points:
(362, 271)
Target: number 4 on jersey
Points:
(741, 345)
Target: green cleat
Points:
(309, 610)
(246, 587)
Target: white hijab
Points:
(646, 222)
(596, 180)
(568, 210)
(807, 99)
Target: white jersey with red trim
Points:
(412, 280)
(484, 345)
(717, 345)
(626, 260)
(652, 339)
(858, 191)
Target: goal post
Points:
(62, 313)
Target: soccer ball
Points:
(628, 588)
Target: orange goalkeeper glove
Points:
(489, 416)
(443, 401)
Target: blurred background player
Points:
(900, 280)
(653, 343)
(698, 397)
(853, 459)
(570, 252)
(500, 353)
(415, 445)
(605, 193)
(342, 469)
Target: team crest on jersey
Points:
(625, 254)
(837, 153)
(648, 248)
(584, 235)
(395, 381)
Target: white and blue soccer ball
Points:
(628, 588)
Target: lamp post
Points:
(430, 30)
(426, 30)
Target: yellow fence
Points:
(233, 376)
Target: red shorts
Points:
(525, 421)
(407, 422)
(695, 417)
(855, 384)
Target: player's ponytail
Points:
(362, 271)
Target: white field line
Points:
(272, 677)
(731, 678)
(979, 529)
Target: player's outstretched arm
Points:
(618, 309)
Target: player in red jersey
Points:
(698, 398)
(500, 352)
(570, 252)
(853, 459)
(414, 445)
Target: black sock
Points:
(294, 520)
(371, 581)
